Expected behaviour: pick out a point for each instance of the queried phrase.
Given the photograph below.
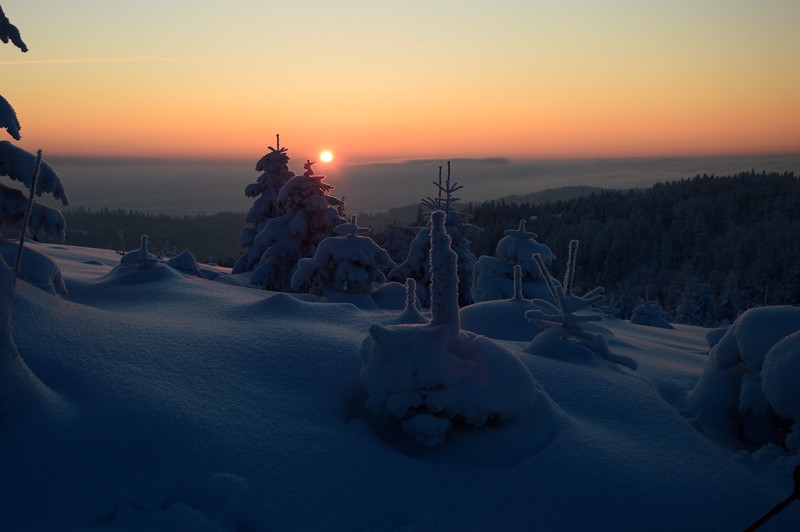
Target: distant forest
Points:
(705, 248)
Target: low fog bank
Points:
(181, 187)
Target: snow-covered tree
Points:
(562, 318)
(429, 376)
(28, 169)
(274, 168)
(417, 263)
(350, 263)
(747, 395)
(493, 277)
(306, 215)
(395, 241)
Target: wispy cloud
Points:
(89, 60)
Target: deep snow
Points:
(170, 401)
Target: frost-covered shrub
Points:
(565, 332)
(432, 376)
(350, 263)
(650, 314)
(748, 392)
(493, 277)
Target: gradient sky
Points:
(372, 80)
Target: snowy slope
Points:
(179, 403)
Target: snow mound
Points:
(780, 382)
(500, 319)
(36, 268)
(431, 379)
(185, 263)
(731, 402)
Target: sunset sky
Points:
(373, 80)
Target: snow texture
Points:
(35, 268)
(185, 263)
(156, 407)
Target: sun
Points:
(326, 156)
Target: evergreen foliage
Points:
(736, 234)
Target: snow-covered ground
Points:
(177, 402)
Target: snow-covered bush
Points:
(563, 321)
(185, 263)
(748, 392)
(20, 165)
(650, 314)
(502, 319)
(417, 264)
(274, 168)
(349, 263)
(493, 277)
(306, 215)
(432, 376)
(140, 258)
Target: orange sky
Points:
(374, 80)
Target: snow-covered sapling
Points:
(432, 376)
(562, 318)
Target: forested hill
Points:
(705, 247)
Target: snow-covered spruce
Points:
(493, 277)
(350, 263)
(434, 375)
(748, 392)
(417, 263)
(274, 168)
(565, 333)
(307, 215)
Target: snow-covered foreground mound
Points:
(180, 403)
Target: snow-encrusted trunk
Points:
(444, 277)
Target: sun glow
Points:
(326, 156)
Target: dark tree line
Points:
(706, 248)
(206, 236)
